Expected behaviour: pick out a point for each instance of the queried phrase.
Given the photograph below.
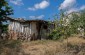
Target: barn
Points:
(28, 29)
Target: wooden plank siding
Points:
(27, 29)
(18, 30)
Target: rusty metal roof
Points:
(24, 21)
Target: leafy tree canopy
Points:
(5, 10)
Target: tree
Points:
(60, 30)
(69, 24)
(5, 10)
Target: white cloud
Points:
(41, 5)
(67, 4)
(33, 9)
(75, 9)
(82, 7)
(72, 10)
(36, 17)
(17, 2)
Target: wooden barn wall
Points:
(34, 29)
(19, 30)
(43, 32)
(28, 31)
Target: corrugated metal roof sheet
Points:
(22, 20)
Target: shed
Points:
(27, 29)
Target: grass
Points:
(75, 46)
(9, 47)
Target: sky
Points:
(44, 9)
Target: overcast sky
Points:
(44, 9)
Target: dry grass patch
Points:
(41, 47)
(74, 46)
